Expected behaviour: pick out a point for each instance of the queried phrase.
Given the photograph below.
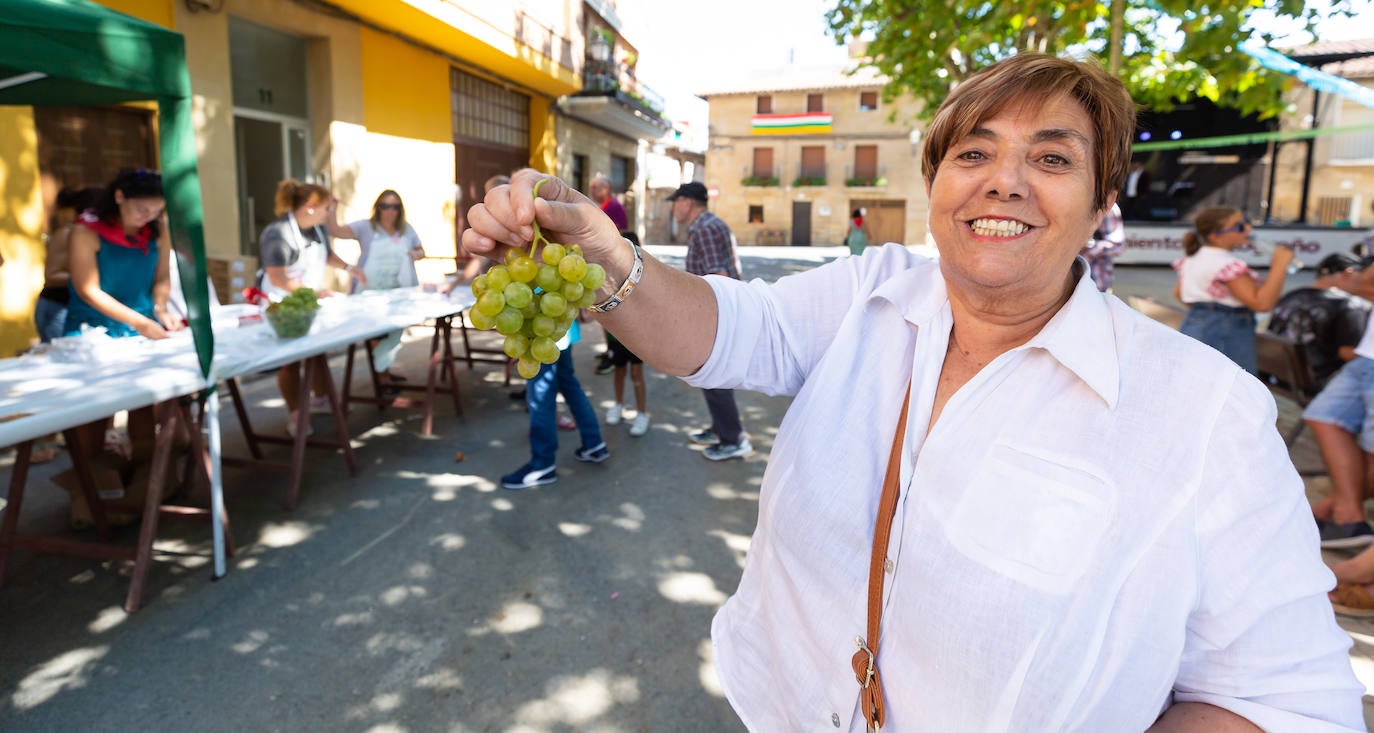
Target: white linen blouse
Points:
(1103, 522)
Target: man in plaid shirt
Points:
(711, 251)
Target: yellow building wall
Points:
(162, 12)
(406, 90)
(543, 136)
(21, 229)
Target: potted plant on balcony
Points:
(758, 181)
(809, 181)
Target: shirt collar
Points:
(1081, 336)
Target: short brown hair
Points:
(1036, 77)
(292, 194)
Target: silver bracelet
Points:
(636, 272)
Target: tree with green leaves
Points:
(1166, 51)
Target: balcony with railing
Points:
(865, 177)
(612, 96)
(810, 175)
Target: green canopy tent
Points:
(75, 52)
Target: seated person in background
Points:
(1338, 418)
(1326, 320)
(50, 312)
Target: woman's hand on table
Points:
(168, 321)
(150, 329)
(324, 293)
(358, 275)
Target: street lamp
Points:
(600, 48)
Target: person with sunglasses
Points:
(1220, 290)
(388, 250)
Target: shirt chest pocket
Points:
(1032, 518)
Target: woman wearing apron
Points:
(388, 249)
(295, 254)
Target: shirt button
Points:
(835, 718)
(888, 566)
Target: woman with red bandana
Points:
(120, 281)
(119, 273)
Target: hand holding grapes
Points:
(506, 220)
(533, 298)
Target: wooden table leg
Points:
(347, 391)
(449, 368)
(86, 481)
(147, 533)
(16, 501)
(244, 424)
(427, 427)
(340, 422)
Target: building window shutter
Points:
(763, 163)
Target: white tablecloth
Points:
(39, 395)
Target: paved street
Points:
(420, 596)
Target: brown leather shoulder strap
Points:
(865, 660)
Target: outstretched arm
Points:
(670, 318)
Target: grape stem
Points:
(538, 235)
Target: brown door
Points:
(884, 218)
(491, 133)
(801, 223)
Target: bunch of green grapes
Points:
(533, 302)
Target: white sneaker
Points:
(641, 424)
(721, 451)
(613, 414)
(291, 425)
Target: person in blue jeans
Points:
(541, 397)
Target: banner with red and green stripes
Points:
(809, 123)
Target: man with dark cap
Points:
(711, 251)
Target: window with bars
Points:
(764, 105)
(579, 172)
(815, 103)
(622, 173)
(868, 101)
(487, 112)
(755, 214)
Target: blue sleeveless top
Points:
(126, 274)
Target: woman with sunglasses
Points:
(388, 249)
(1220, 290)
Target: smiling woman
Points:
(949, 485)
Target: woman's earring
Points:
(309, 211)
